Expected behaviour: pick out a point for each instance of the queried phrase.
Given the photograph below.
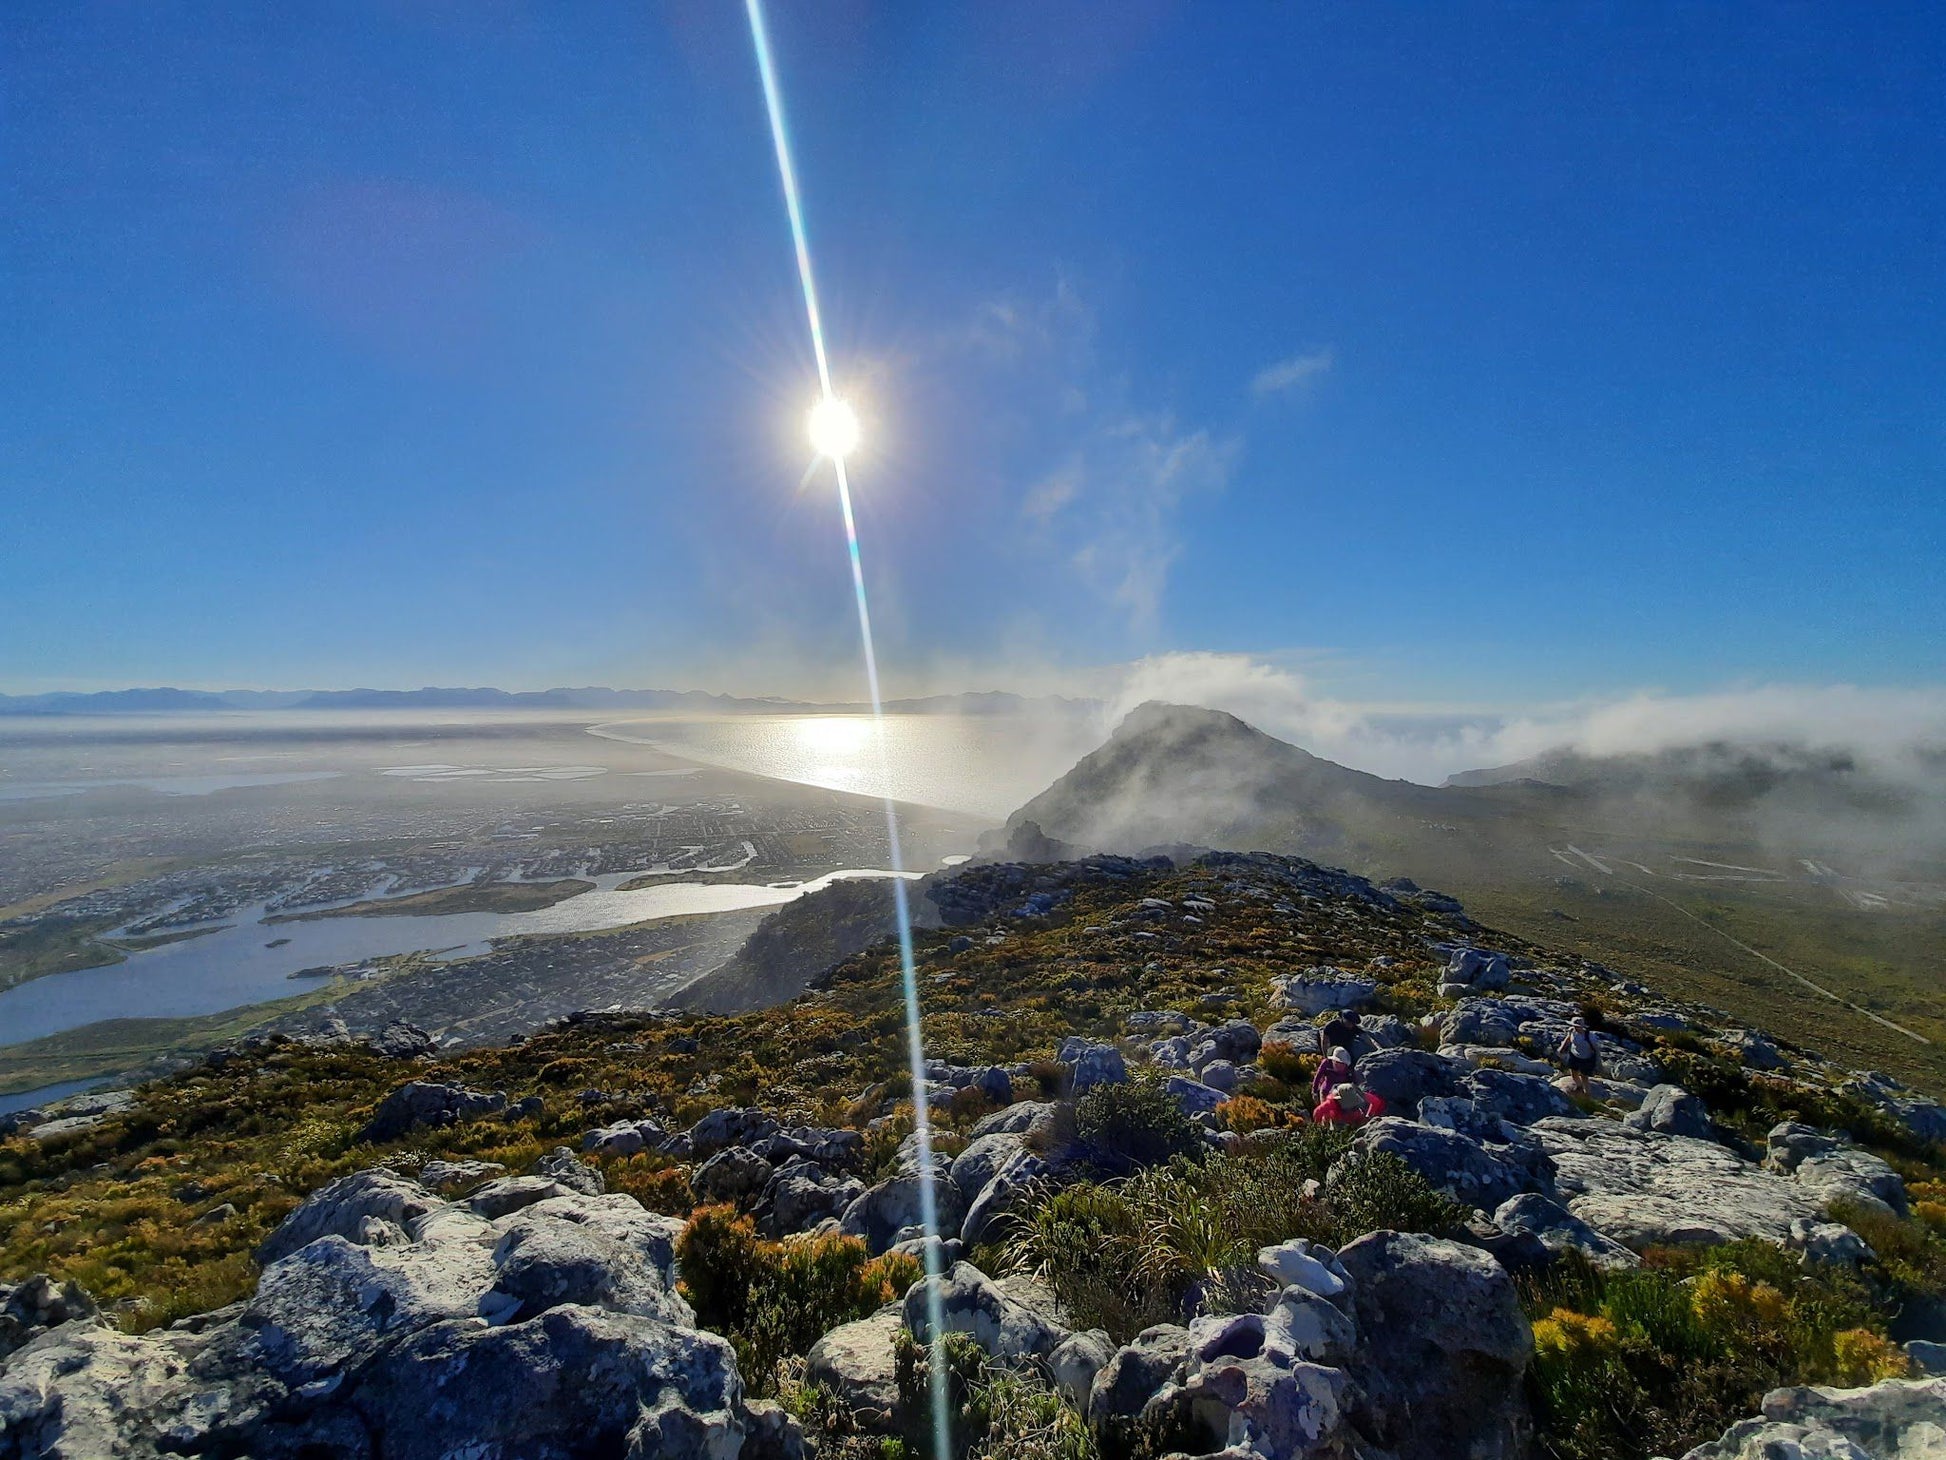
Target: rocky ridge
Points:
(541, 1314)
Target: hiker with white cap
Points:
(1333, 1070)
(1579, 1054)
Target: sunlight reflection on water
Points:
(982, 764)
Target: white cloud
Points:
(1109, 506)
(1132, 479)
(1428, 743)
(1054, 491)
(1289, 374)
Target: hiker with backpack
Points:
(1579, 1054)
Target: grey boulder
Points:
(1016, 1181)
(970, 1302)
(734, 1174)
(1673, 1111)
(427, 1103)
(1094, 1064)
(856, 1363)
(1560, 1230)
(543, 1262)
(401, 1041)
(1516, 1098)
(731, 1125)
(1321, 990)
(427, 1331)
(451, 1178)
(1900, 1419)
(563, 1166)
(573, 1381)
(1478, 968)
(1404, 1077)
(361, 1207)
(1307, 1326)
(1923, 1117)
(1236, 1041)
(837, 1149)
(1442, 1349)
(1137, 1372)
(1014, 1120)
(1465, 1169)
(881, 1214)
(30, 1307)
(982, 1159)
(800, 1194)
(1646, 1189)
(1834, 1169)
(1193, 1097)
(1076, 1362)
(509, 1194)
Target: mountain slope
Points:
(1173, 774)
(1783, 888)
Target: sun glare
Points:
(833, 425)
(833, 734)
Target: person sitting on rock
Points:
(1344, 1030)
(1333, 1071)
(1348, 1105)
(1579, 1054)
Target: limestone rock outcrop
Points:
(1900, 1419)
(389, 1322)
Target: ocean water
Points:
(233, 966)
(985, 765)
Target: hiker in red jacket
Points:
(1348, 1105)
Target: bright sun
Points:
(833, 425)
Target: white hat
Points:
(1341, 1054)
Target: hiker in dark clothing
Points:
(1344, 1030)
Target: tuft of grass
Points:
(1173, 1240)
(995, 1412)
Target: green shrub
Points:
(1376, 1191)
(775, 1299)
(1658, 1359)
(994, 1412)
(1132, 1125)
(1281, 1061)
(1130, 1253)
(1051, 1078)
(1909, 1257)
(717, 1256)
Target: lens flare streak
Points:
(915, 1052)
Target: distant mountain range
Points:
(1175, 774)
(151, 701)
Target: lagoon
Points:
(234, 965)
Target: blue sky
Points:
(1467, 353)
